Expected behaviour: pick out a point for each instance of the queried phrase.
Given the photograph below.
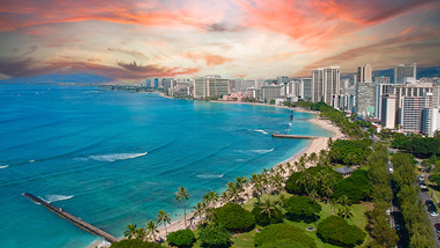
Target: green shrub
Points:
(357, 187)
(235, 218)
(215, 236)
(263, 219)
(281, 232)
(336, 231)
(350, 152)
(302, 208)
(134, 243)
(294, 187)
(182, 238)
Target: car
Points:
(434, 214)
(437, 225)
(429, 202)
(388, 212)
(423, 186)
(398, 227)
(390, 170)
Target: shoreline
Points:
(315, 145)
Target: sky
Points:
(131, 40)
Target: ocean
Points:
(117, 157)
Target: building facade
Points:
(326, 84)
(404, 70)
(207, 87)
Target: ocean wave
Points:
(32, 161)
(259, 130)
(263, 151)
(4, 166)
(209, 176)
(55, 198)
(116, 156)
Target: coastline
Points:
(315, 145)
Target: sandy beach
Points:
(316, 145)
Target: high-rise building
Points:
(430, 121)
(402, 71)
(364, 73)
(365, 98)
(271, 92)
(382, 80)
(211, 86)
(252, 92)
(282, 80)
(306, 89)
(326, 84)
(388, 111)
(411, 111)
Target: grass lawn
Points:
(358, 219)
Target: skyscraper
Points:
(211, 86)
(326, 84)
(402, 71)
(364, 73)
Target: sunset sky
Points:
(133, 40)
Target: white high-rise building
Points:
(326, 84)
(364, 73)
(430, 121)
(402, 71)
(306, 89)
(411, 111)
(211, 86)
(365, 98)
(388, 111)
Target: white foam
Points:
(263, 151)
(117, 156)
(259, 130)
(4, 166)
(209, 176)
(31, 161)
(55, 198)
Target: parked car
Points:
(429, 202)
(437, 226)
(434, 214)
(397, 227)
(388, 211)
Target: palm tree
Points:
(314, 195)
(151, 229)
(140, 233)
(210, 198)
(199, 209)
(268, 208)
(343, 200)
(181, 196)
(131, 231)
(164, 218)
(345, 211)
(225, 197)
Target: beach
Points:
(315, 146)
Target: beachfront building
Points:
(271, 92)
(365, 98)
(211, 86)
(326, 84)
(306, 89)
(403, 71)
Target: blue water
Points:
(114, 157)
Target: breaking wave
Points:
(259, 130)
(4, 166)
(55, 198)
(263, 151)
(209, 176)
(115, 156)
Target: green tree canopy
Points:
(215, 236)
(277, 232)
(263, 219)
(301, 208)
(235, 218)
(336, 231)
(134, 243)
(182, 238)
(357, 187)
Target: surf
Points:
(116, 156)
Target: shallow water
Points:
(114, 157)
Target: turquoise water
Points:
(114, 158)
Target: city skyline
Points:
(134, 40)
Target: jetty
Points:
(75, 220)
(289, 136)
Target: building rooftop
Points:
(344, 170)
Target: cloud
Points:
(210, 59)
(120, 71)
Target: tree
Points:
(261, 219)
(345, 212)
(131, 231)
(140, 233)
(284, 232)
(151, 229)
(357, 187)
(268, 208)
(163, 218)
(199, 209)
(215, 236)
(336, 231)
(181, 196)
(134, 243)
(182, 238)
(235, 218)
(301, 208)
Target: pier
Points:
(288, 136)
(75, 220)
